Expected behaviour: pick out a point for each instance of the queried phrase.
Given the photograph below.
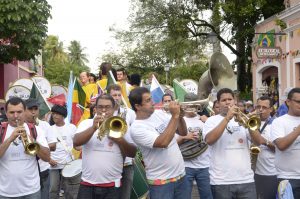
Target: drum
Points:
(26, 82)
(43, 85)
(58, 89)
(17, 91)
(140, 186)
(72, 172)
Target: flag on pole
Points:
(36, 94)
(58, 99)
(111, 80)
(78, 102)
(179, 91)
(156, 91)
(70, 96)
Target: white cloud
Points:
(88, 22)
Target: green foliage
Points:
(281, 24)
(188, 72)
(76, 54)
(24, 25)
(58, 63)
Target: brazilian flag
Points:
(267, 39)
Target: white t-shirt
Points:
(265, 164)
(287, 162)
(102, 161)
(202, 161)
(50, 137)
(230, 156)
(64, 136)
(130, 117)
(19, 174)
(160, 163)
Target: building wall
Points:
(289, 62)
(9, 73)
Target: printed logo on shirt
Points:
(160, 128)
(233, 129)
(110, 143)
(194, 129)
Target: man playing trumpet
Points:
(265, 172)
(102, 160)
(19, 174)
(230, 170)
(154, 135)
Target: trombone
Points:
(31, 147)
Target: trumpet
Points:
(114, 127)
(192, 106)
(31, 147)
(251, 121)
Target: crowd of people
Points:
(219, 160)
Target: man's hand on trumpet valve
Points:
(174, 109)
(232, 111)
(17, 133)
(98, 121)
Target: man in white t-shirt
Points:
(285, 134)
(102, 160)
(230, 169)
(19, 174)
(114, 90)
(31, 116)
(64, 133)
(196, 168)
(154, 135)
(265, 171)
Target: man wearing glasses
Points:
(102, 159)
(285, 134)
(265, 172)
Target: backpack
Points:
(3, 130)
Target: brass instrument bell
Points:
(31, 147)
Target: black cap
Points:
(31, 103)
(62, 110)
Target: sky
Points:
(88, 22)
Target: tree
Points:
(179, 27)
(53, 51)
(57, 62)
(23, 28)
(76, 54)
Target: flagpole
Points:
(33, 80)
(153, 77)
(115, 82)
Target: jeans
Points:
(234, 191)
(295, 183)
(45, 179)
(266, 186)
(127, 180)
(172, 190)
(36, 195)
(203, 183)
(89, 192)
(70, 186)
